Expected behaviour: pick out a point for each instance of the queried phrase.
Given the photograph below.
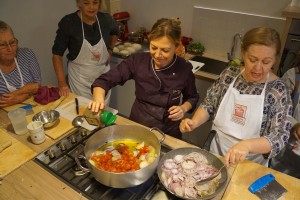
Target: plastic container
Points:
(18, 120)
(37, 134)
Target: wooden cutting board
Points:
(62, 127)
(13, 156)
(247, 172)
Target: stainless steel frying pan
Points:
(213, 160)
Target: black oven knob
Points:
(51, 154)
(62, 146)
(73, 139)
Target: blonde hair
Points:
(166, 27)
(264, 36)
(100, 4)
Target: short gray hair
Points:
(5, 27)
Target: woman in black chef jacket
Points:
(90, 36)
(250, 106)
(164, 82)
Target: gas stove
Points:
(59, 160)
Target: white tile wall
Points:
(215, 28)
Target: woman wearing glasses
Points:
(20, 74)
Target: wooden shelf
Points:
(291, 12)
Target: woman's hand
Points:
(237, 153)
(176, 113)
(95, 106)
(64, 89)
(99, 100)
(9, 99)
(297, 134)
(187, 125)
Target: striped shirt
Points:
(29, 68)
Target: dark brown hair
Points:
(166, 27)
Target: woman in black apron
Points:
(90, 36)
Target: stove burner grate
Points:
(59, 160)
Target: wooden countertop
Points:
(30, 181)
(247, 171)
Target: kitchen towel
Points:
(46, 95)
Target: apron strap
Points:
(83, 28)
(21, 77)
(82, 25)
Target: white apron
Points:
(10, 87)
(239, 117)
(83, 71)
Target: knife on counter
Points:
(77, 107)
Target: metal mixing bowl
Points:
(48, 117)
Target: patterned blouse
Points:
(278, 107)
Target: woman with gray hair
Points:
(20, 75)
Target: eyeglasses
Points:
(11, 43)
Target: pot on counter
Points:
(121, 132)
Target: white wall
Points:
(34, 23)
(145, 13)
(209, 24)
